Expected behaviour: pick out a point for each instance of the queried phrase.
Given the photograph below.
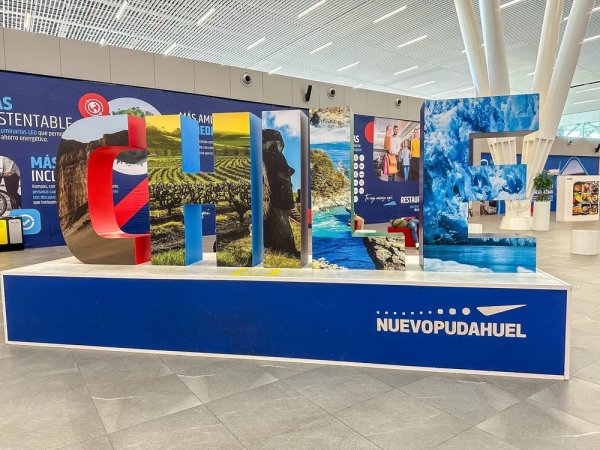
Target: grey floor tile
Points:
(519, 387)
(395, 420)
(224, 378)
(590, 373)
(51, 424)
(474, 439)
(85, 357)
(183, 363)
(24, 395)
(395, 377)
(284, 369)
(469, 398)
(323, 434)
(334, 388)
(531, 425)
(28, 362)
(109, 374)
(99, 443)
(195, 428)
(259, 414)
(132, 403)
(577, 397)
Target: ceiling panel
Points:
(155, 25)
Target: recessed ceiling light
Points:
(591, 38)
(588, 90)
(312, 8)
(277, 69)
(413, 41)
(170, 49)
(464, 50)
(393, 13)
(507, 4)
(320, 48)
(348, 66)
(356, 86)
(260, 41)
(470, 88)
(27, 21)
(530, 74)
(406, 70)
(206, 15)
(422, 84)
(587, 101)
(102, 41)
(121, 10)
(597, 8)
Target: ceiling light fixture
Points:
(277, 69)
(121, 11)
(356, 86)
(591, 38)
(464, 50)
(341, 69)
(511, 3)
(588, 90)
(388, 15)
(260, 41)
(587, 101)
(422, 84)
(320, 48)
(170, 49)
(406, 70)
(312, 8)
(597, 8)
(206, 15)
(530, 74)
(470, 88)
(103, 42)
(413, 41)
(27, 21)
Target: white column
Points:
(548, 47)
(495, 50)
(473, 46)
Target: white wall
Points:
(39, 54)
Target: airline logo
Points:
(447, 322)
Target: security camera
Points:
(247, 79)
(569, 142)
(597, 149)
(397, 102)
(331, 93)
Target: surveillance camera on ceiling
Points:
(247, 79)
(397, 102)
(597, 149)
(331, 93)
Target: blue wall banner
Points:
(498, 329)
(36, 111)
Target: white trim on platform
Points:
(297, 360)
(71, 267)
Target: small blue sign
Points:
(32, 221)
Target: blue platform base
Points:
(509, 323)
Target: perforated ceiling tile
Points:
(224, 37)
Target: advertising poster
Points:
(335, 151)
(379, 196)
(585, 198)
(285, 159)
(35, 111)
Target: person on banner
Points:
(408, 222)
(394, 152)
(10, 173)
(405, 157)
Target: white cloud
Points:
(287, 122)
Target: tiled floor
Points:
(80, 399)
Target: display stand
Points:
(577, 198)
(512, 324)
